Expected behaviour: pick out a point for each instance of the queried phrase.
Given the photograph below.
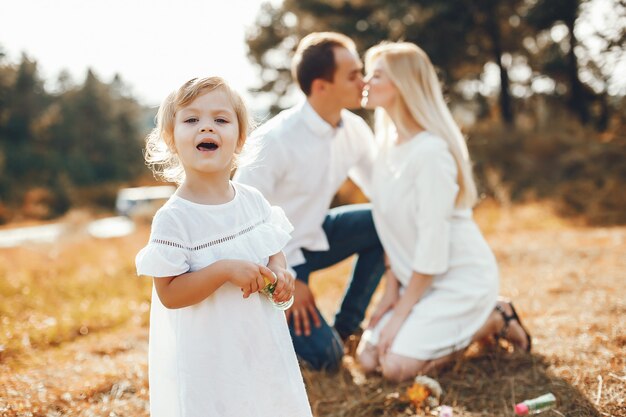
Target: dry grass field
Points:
(73, 328)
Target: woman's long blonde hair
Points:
(160, 153)
(411, 71)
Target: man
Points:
(304, 155)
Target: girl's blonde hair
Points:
(160, 153)
(411, 71)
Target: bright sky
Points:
(155, 45)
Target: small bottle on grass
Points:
(536, 405)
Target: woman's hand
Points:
(386, 303)
(389, 299)
(388, 333)
(285, 284)
(412, 294)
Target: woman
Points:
(442, 283)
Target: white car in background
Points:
(142, 201)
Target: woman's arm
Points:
(414, 291)
(389, 298)
(435, 193)
(192, 287)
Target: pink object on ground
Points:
(445, 411)
(521, 409)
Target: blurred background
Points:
(538, 87)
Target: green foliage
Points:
(460, 36)
(87, 135)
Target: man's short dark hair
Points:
(315, 58)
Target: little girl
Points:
(218, 347)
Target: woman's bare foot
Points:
(509, 326)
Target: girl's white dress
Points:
(413, 197)
(226, 356)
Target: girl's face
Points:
(379, 91)
(206, 133)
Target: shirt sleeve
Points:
(436, 189)
(362, 172)
(166, 254)
(264, 165)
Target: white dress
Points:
(226, 356)
(414, 191)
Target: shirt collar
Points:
(315, 122)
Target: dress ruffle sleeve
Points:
(182, 240)
(166, 254)
(269, 237)
(162, 258)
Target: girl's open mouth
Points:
(207, 146)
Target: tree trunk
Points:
(493, 31)
(578, 100)
(505, 95)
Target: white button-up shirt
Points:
(301, 161)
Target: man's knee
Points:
(322, 350)
(323, 359)
(354, 216)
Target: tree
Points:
(586, 67)
(80, 136)
(471, 33)
(27, 97)
(24, 98)
(544, 15)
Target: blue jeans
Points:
(349, 230)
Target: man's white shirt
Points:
(300, 163)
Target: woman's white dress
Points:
(226, 356)
(414, 192)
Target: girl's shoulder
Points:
(169, 226)
(249, 194)
(170, 215)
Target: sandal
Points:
(507, 319)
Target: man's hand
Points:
(303, 310)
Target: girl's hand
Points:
(388, 334)
(248, 276)
(386, 303)
(285, 284)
